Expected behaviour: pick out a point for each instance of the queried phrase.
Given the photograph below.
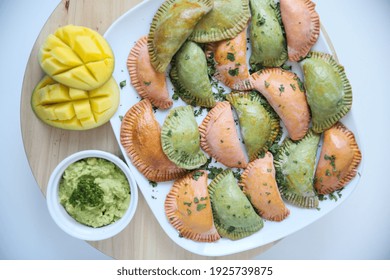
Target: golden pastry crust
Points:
(231, 67)
(140, 136)
(284, 92)
(302, 25)
(339, 160)
(188, 208)
(259, 184)
(149, 83)
(219, 137)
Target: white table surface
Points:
(357, 229)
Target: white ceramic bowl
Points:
(70, 225)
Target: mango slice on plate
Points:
(77, 57)
(74, 109)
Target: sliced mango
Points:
(74, 109)
(77, 57)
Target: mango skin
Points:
(77, 57)
(73, 109)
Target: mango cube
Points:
(76, 94)
(87, 48)
(64, 111)
(101, 104)
(82, 109)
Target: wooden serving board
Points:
(46, 146)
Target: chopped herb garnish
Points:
(266, 84)
(153, 184)
(175, 96)
(234, 72)
(214, 171)
(281, 89)
(87, 193)
(286, 67)
(231, 57)
(200, 207)
(260, 20)
(220, 94)
(332, 196)
(147, 83)
(197, 175)
(199, 111)
(122, 84)
(189, 212)
(196, 200)
(120, 118)
(210, 64)
(327, 172)
(187, 203)
(300, 84)
(293, 87)
(237, 174)
(332, 159)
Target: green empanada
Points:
(234, 216)
(172, 24)
(259, 124)
(225, 21)
(269, 47)
(295, 167)
(328, 90)
(180, 138)
(189, 76)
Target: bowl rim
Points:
(66, 222)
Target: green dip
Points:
(94, 191)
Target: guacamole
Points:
(94, 191)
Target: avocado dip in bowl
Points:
(92, 195)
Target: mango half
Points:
(77, 57)
(74, 109)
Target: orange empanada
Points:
(284, 92)
(259, 185)
(229, 59)
(149, 83)
(339, 159)
(140, 136)
(188, 208)
(219, 137)
(302, 25)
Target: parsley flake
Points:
(231, 57)
(200, 207)
(122, 84)
(233, 72)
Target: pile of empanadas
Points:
(195, 42)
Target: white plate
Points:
(122, 36)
